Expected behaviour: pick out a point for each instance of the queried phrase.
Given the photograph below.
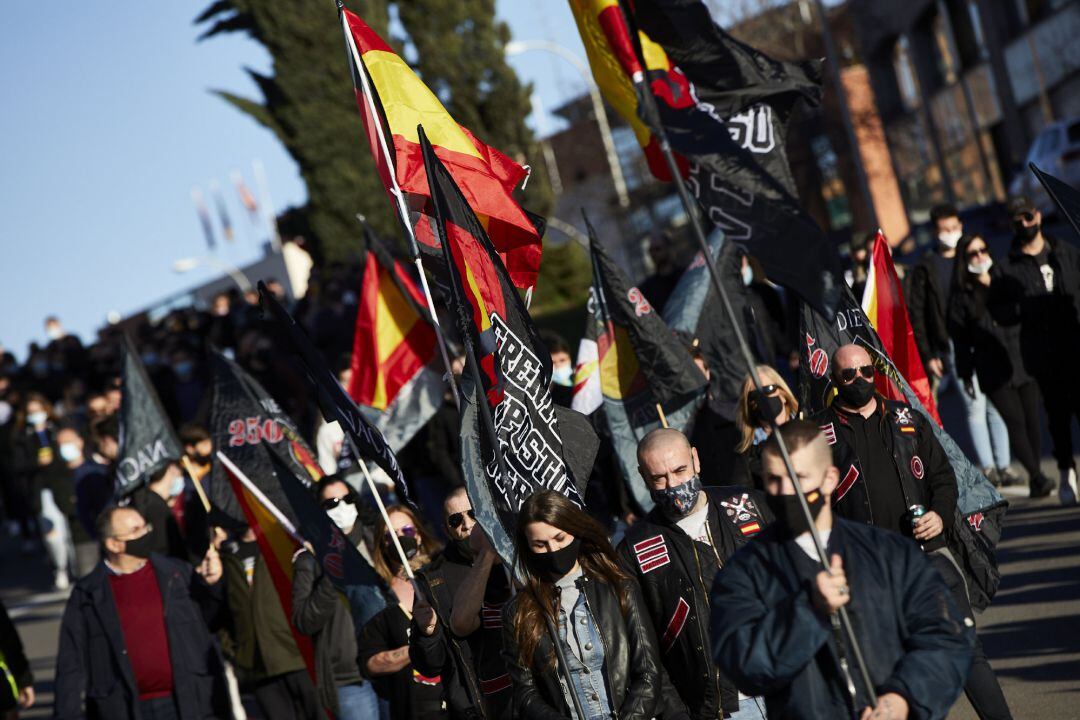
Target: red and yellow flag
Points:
(609, 47)
(277, 545)
(884, 306)
(401, 101)
(393, 340)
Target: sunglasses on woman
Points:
(331, 503)
(766, 391)
(404, 531)
(848, 374)
(455, 520)
(976, 252)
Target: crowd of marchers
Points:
(717, 603)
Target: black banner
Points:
(147, 441)
(243, 417)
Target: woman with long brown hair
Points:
(383, 647)
(573, 586)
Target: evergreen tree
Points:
(309, 104)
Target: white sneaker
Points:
(1067, 487)
(62, 581)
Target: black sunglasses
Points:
(848, 374)
(766, 391)
(1026, 216)
(458, 518)
(331, 503)
(976, 252)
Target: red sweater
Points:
(142, 618)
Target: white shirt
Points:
(806, 542)
(696, 524)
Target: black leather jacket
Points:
(632, 669)
(676, 576)
(926, 477)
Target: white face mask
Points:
(55, 332)
(980, 268)
(177, 486)
(747, 275)
(70, 452)
(344, 515)
(563, 375)
(950, 239)
(37, 418)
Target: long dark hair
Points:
(965, 284)
(536, 601)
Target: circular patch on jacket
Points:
(917, 468)
(819, 362)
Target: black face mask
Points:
(201, 459)
(856, 393)
(789, 515)
(463, 548)
(408, 545)
(140, 547)
(551, 566)
(765, 410)
(1023, 233)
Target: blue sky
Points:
(109, 121)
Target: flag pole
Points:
(399, 198)
(186, 462)
(260, 496)
(652, 118)
(382, 510)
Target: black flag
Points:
(243, 417)
(515, 371)
(730, 125)
(147, 441)
(338, 557)
(1064, 196)
(333, 400)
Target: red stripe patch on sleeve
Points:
(845, 484)
(652, 553)
(491, 615)
(675, 625)
(494, 685)
(829, 431)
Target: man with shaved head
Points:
(674, 553)
(775, 629)
(894, 474)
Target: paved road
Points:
(1031, 633)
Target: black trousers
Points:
(1019, 408)
(1061, 397)
(159, 709)
(288, 696)
(982, 688)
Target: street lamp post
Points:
(516, 47)
(188, 264)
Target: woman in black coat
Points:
(984, 321)
(574, 587)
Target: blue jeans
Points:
(750, 709)
(357, 702)
(989, 434)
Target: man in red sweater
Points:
(134, 641)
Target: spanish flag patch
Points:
(749, 529)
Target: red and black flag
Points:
(243, 417)
(147, 441)
(724, 107)
(515, 373)
(643, 368)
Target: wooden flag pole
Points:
(186, 462)
(382, 511)
(652, 118)
(399, 198)
(663, 418)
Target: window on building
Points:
(905, 73)
(976, 28)
(947, 62)
(630, 156)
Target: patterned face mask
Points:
(677, 502)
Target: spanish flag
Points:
(391, 97)
(884, 306)
(615, 65)
(394, 339)
(278, 542)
